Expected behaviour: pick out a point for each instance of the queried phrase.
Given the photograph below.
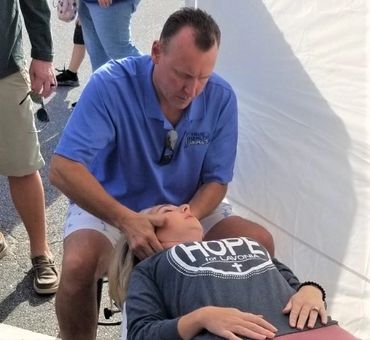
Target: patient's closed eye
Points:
(165, 208)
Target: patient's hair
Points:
(123, 259)
(119, 271)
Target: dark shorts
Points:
(78, 37)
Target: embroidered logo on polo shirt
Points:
(236, 258)
(196, 138)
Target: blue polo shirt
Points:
(118, 131)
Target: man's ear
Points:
(156, 51)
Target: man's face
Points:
(179, 226)
(181, 70)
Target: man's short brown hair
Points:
(206, 30)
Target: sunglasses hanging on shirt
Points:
(169, 147)
(41, 114)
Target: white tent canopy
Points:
(300, 71)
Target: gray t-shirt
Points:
(36, 16)
(235, 272)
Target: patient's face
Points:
(179, 226)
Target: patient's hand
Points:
(304, 307)
(228, 323)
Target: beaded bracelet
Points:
(311, 283)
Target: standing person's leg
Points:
(113, 27)
(20, 160)
(93, 45)
(222, 223)
(28, 197)
(69, 77)
(87, 249)
(78, 53)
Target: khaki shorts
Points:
(78, 219)
(19, 145)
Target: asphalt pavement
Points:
(20, 306)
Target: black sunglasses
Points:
(41, 114)
(169, 147)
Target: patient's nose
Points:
(184, 207)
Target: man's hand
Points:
(140, 232)
(104, 3)
(304, 307)
(42, 76)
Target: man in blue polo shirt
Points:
(146, 131)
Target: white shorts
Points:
(78, 219)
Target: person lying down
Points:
(221, 289)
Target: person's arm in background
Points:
(147, 316)
(36, 16)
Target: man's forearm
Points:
(207, 198)
(77, 183)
